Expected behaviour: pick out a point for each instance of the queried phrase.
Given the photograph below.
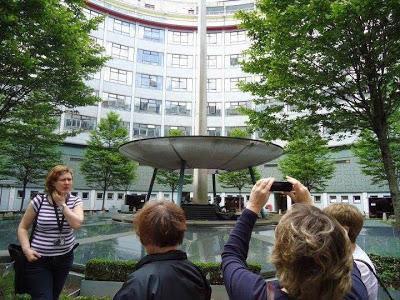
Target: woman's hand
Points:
(300, 193)
(58, 198)
(260, 194)
(31, 255)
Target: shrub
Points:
(110, 270)
(388, 269)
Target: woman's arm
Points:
(74, 216)
(241, 283)
(23, 227)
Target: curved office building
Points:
(151, 81)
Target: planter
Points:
(99, 288)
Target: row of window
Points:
(80, 122)
(149, 130)
(173, 37)
(173, 60)
(178, 84)
(356, 199)
(84, 195)
(211, 10)
(183, 108)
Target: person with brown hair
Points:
(49, 252)
(312, 253)
(352, 220)
(165, 273)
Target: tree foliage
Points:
(367, 150)
(238, 179)
(171, 178)
(45, 55)
(31, 147)
(335, 63)
(103, 166)
(307, 159)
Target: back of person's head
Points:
(312, 254)
(348, 216)
(53, 176)
(160, 223)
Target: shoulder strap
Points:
(376, 276)
(36, 218)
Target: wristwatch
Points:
(62, 207)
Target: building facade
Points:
(150, 81)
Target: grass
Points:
(7, 291)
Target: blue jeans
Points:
(45, 277)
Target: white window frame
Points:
(181, 108)
(122, 27)
(212, 38)
(180, 60)
(179, 84)
(356, 201)
(116, 101)
(212, 61)
(146, 128)
(332, 199)
(238, 36)
(153, 34)
(148, 103)
(119, 51)
(148, 54)
(118, 75)
(214, 109)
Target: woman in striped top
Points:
(50, 253)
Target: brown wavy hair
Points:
(347, 215)
(160, 223)
(53, 176)
(312, 255)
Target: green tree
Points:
(31, 146)
(238, 179)
(307, 159)
(367, 150)
(333, 62)
(171, 178)
(103, 166)
(45, 49)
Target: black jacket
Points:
(165, 276)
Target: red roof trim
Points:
(153, 23)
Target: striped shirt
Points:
(47, 231)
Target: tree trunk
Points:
(390, 171)
(172, 195)
(240, 199)
(104, 198)
(24, 184)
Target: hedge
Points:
(111, 270)
(388, 269)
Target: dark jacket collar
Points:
(170, 255)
